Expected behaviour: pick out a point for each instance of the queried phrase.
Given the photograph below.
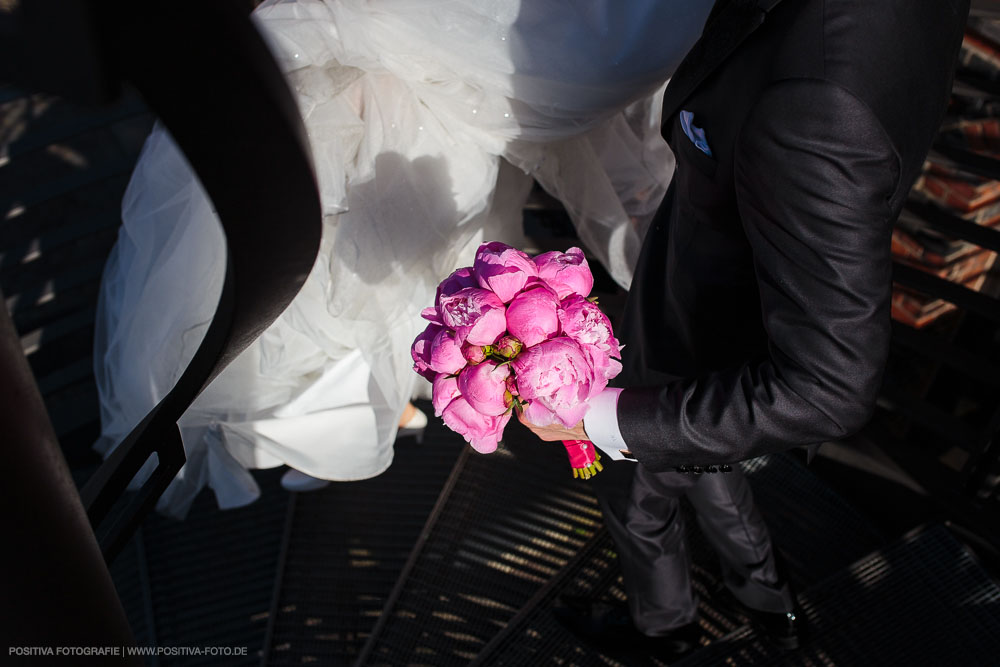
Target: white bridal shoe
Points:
(414, 426)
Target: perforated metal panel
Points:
(513, 519)
(921, 601)
(346, 548)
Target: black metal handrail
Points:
(215, 86)
(969, 491)
(57, 589)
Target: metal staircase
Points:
(449, 558)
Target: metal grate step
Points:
(207, 580)
(513, 519)
(346, 546)
(816, 531)
(924, 600)
(814, 528)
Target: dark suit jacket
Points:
(758, 317)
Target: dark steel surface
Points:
(58, 591)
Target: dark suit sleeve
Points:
(814, 175)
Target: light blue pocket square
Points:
(694, 133)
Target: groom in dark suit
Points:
(758, 318)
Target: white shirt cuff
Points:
(601, 425)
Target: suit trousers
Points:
(642, 511)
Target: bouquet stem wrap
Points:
(583, 458)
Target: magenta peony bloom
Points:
(476, 315)
(503, 269)
(585, 323)
(446, 353)
(566, 272)
(481, 431)
(473, 353)
(431, 314)
(556, 378)
(532, 316)
(443, 392)
(485, 387)
(458, 280)
(421, 350)
(605, 367)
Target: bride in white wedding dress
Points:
(427, 121)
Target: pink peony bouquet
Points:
(514, 332)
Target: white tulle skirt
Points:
(428, 122)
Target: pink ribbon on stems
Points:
(583, 458)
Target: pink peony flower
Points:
(421, 350)
(476, 315)
(485, 387)
(605, 367)
(566, 272)
(585, 323)
(443, 392)
(473, 353)
(446, 353)
(532, 316)
(503, 269)
(458, 280)
(431, 315)
(481, 431)
(556, 378)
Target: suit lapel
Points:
(730, 22)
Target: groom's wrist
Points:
(601, 425)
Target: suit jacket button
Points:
(681, 468)
(725, 467)
(696, 470)
(711, 469)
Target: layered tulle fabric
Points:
(427, 122)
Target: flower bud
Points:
(507, 347)
(474, 354)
